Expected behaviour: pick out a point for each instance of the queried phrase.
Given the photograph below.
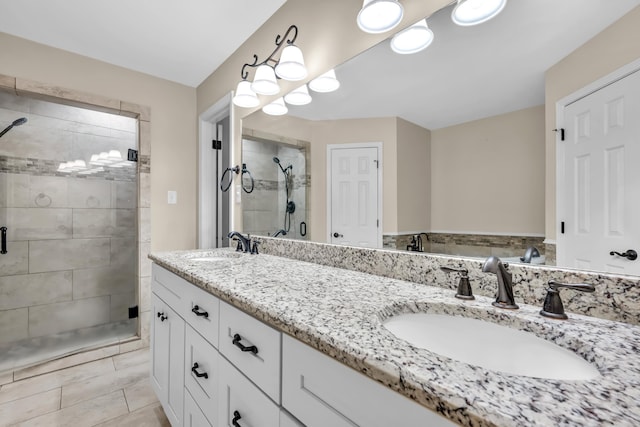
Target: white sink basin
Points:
(490, 346)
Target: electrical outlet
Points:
(172, 197)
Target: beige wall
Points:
(614, 47)
(487, 176)
(414, 178)
(173, 119)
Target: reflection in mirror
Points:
(278, 204)
(462, 125)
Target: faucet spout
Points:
(244, 243)
(504, 297)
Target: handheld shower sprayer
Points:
(17, 122)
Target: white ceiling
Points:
(468, 72)
(182, 41)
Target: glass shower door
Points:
(68, 205)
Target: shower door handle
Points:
(3, 231)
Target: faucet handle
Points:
(552, 306)
(254, 247)
(464, 287)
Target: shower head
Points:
(17, 122)
(276, 160)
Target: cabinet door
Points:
(242, 403)
(201, 373)
(167, 359)
(193, 416)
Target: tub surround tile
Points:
(56, 255)
(14, 325)
(85, 193)
(39, 223)
(94, 282)
(16, 260)
(35, 289)
(339, 312)
(74, 98)
(29, 407)
(120, 304)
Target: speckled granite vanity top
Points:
(340, 313)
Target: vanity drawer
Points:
(243, 402)
(201, 358)
(193, 416)
(170, 287)
(320, 391)
(262, 365)
(202, 312)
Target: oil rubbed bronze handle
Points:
(162, 316)
(236, 418)
(630, 254)
(196, 310)
(3, 231)
(194, 369)
(236, 341)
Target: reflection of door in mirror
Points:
(278, 204)
(601, 193)
(353, 183)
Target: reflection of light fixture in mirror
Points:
(264, 82)
(378, 16)
(473, 12)
(245, 97)
(325, 83)
(299, 96)
(291, 65)
(276, 108)
(413, 39)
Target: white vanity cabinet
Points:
(167, 359)
(214, 365)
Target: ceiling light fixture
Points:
(290, 67)
(379, 16)
(474, 12)
(276, 108)
(413, 39)
(299, 96)
(327, 82)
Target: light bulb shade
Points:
(276, 108)
(264, 82)
(291, 65)
(413, 39)
(299, 96)
(474, 12)
(244, 96)
(378, 16)
(325, 83)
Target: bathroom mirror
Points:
(478, 93)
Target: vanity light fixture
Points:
(276, 108)
(474, 12)
(379, 16)
(327, 82)
(290, 67)
(413, 39)
(299, 96)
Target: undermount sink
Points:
(491, 346)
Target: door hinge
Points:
(132, 155)
(561, 130)
(216, 145)
(133, 312)
(562, 227)
(378, 223)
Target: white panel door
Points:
(602, 179)
(354, 196)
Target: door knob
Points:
(630, 254)
(336, 235)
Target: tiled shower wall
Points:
(72, 238)
(119, 196)
(263, 210)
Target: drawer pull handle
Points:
(197, 312)
(236, 418)
(194, 369)
(236, 341)
(162, 316)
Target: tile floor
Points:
(112, 391)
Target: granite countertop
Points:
(340, 313)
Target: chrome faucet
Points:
(504, 298)
(244, 243)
